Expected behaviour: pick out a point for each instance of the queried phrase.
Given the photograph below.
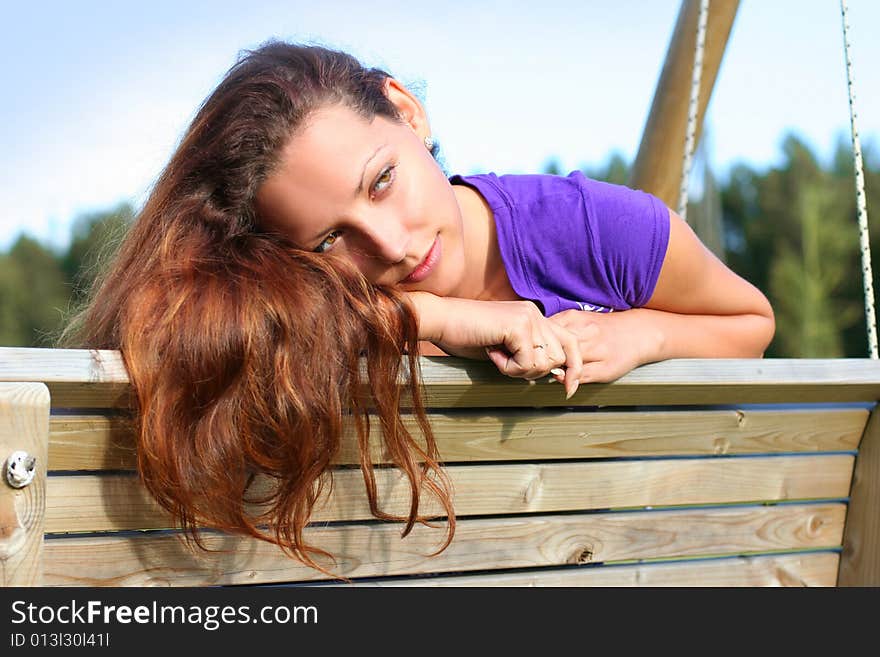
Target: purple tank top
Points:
(569, 242)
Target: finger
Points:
(543, 353)
(505, 362)
(555, 351)
(534, 348)
(557, 359)
(573, 359)
(529, 352)
(501, 358)
(553, 348)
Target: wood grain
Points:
(24, 425)
(118, 502)
(539, 425)
(805, 569)
(82, 378)
(91, 442)
(96, 443)
(376, 549)
(860, 562)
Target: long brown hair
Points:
(244, 353)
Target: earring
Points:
(429, 143)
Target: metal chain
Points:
(696, 76)
(861, 206)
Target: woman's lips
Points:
(421, 272)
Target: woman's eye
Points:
(384, 180)
(328, 242)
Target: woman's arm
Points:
(699, 309)
(514, 335)
(727, 316)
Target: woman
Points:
(303, 223)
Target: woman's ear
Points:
(408, 106)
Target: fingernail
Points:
(558, 371)
(553, 379)
(573, 389)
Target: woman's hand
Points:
(611, 344)
(514, 335)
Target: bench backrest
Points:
(686, 472)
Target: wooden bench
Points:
(686, 472)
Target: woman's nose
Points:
(388, 239)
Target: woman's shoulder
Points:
(529, 190)
(524, 188)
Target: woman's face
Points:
(369, 190)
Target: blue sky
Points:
(97, 94)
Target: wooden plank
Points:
(24, 425)
(98, 443)
(806, 569)
(113, 503)
(860, 563)
(658, 165)
(91, 442)
(81, 378)
(684, 381)
(77, 378)
(90, 395)
(376, 549)
(62, 365)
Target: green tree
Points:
(615, 170)
(806, 278)
(38, 299)
(13, 297)
(788, 233)
(553, 167)
(96, 236)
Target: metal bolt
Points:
(20, 469)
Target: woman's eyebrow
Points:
(360, 187)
